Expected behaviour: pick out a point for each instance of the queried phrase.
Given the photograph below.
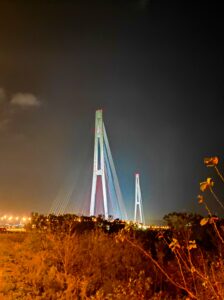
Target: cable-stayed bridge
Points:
(106, 197)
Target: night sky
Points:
(156, 70)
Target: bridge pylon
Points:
(104, 169)
(138, 202)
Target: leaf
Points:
(200, 199)
(211, 161)
(192, 245)
(210, 182)
(204, 221)
(203, 186)
(174, 244)
(206, 184)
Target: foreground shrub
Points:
(88, 266)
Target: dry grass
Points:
(95, 265)
(88, 266)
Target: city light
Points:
(14, 220)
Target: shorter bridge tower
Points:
(138, 214)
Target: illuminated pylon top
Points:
(138, 202)
(104, 169)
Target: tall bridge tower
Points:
(104, 170)
(138, 201)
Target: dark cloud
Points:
(10, 108)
